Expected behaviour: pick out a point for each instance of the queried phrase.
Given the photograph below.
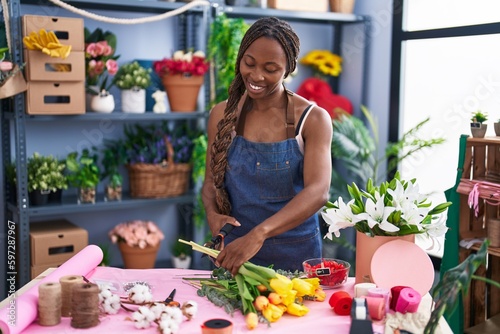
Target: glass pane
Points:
(432, 14)
(447, 79)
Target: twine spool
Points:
(67, 283)
(493, 230)
(49, 304)
(85, 305)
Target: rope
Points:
(133, 20)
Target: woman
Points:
(269, 161)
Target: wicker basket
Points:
(159, 180)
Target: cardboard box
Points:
(299, 5)
(54, 242)
(55, 98)
(37, 270)
(69, 31)
(42, 67)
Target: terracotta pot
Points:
(365, 248)
(138, 258)
(342, 6)
(182, 91)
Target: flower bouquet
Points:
(182, 77)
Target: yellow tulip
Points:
(272, 313)
(281, 284)
(274, 298)
(298, 310)
(252, 320)
(283, 307)
(302, 287)
(289, 297)
(314, 281)
(260, 303)
(319, 295)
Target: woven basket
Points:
(167, 179)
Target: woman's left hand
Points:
(238, 252)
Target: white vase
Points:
(102, 103)
(134, 101)
(181, 263)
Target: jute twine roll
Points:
(493, 229)
(49, 304)
(67, 283)
(85, 305)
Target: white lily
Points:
(377, 214)
(437, 228)
(340, 218)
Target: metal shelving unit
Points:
(14, 117)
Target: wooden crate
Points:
(481, 173)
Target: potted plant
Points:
(133, 79)
(181, 255)
(496, 126)
(182, 76)
(114, 155)
(139, 241)
(83, 173)
(45, 176)
(477, 126)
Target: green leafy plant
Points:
(132, 76)
(83, 171)
(45, 173)
(114, 155)
(106, 256)
(198, 160)
(181, 250)
(455, 282)
(478, 117)
(223, 45)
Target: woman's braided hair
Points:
(270, 27)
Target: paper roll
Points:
(395, 291)
(217, 326)
(361, 289)
(22, 310)
(383, 293)
(408, 301)
(376, 307)
(341, 303)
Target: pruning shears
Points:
(170, 299)
(216, 240)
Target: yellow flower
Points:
(272, 313)
(302, 287)
(289, 297)
(324, 62)
(319, 295)
(297, 309)
(252, 320)
(281, 284)
(314, 281)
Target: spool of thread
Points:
(67, 283)
(376, 307)
(383, 293)
(408, 301)
(361, 289)
(85, 305)
(395, 291)
(341, 303)
(359, 310)
(217, 326)
(49, 304)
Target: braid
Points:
(270, 27)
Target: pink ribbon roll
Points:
(376, 307)
(382, 293)
(395, 291)
(408, 301)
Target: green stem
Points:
(487, 280)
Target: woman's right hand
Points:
(216, 221)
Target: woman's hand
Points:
(238, 252)
(217, 221)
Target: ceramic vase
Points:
(497, 128)
(181, 262)
(182, 91)
(102, 103)
(138, 258)
(478, 130)
(365, 248)
(133, 101)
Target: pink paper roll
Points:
(408, 301)
(376, 307)
(22, 310)
(381, 292)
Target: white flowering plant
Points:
(395, 208)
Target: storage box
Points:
(37, 270)
(69, 31)
(300, 5)
(55, 98)
(42, 67)
(54, 242)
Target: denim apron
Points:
(261, 179)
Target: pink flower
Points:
(137, 233)
(6, 66)
(112, 66)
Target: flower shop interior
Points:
(399, 108)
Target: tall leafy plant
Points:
(223, 45)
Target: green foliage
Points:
(223, 45)
(106, 257)
(45, 173)
(100, 35)
(457, 280)
(132, 75)
(479, 117)
(355, 151)
(114, 155)
(83, 171)
(181, 250)
(198, 159)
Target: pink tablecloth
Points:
(320, 319)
